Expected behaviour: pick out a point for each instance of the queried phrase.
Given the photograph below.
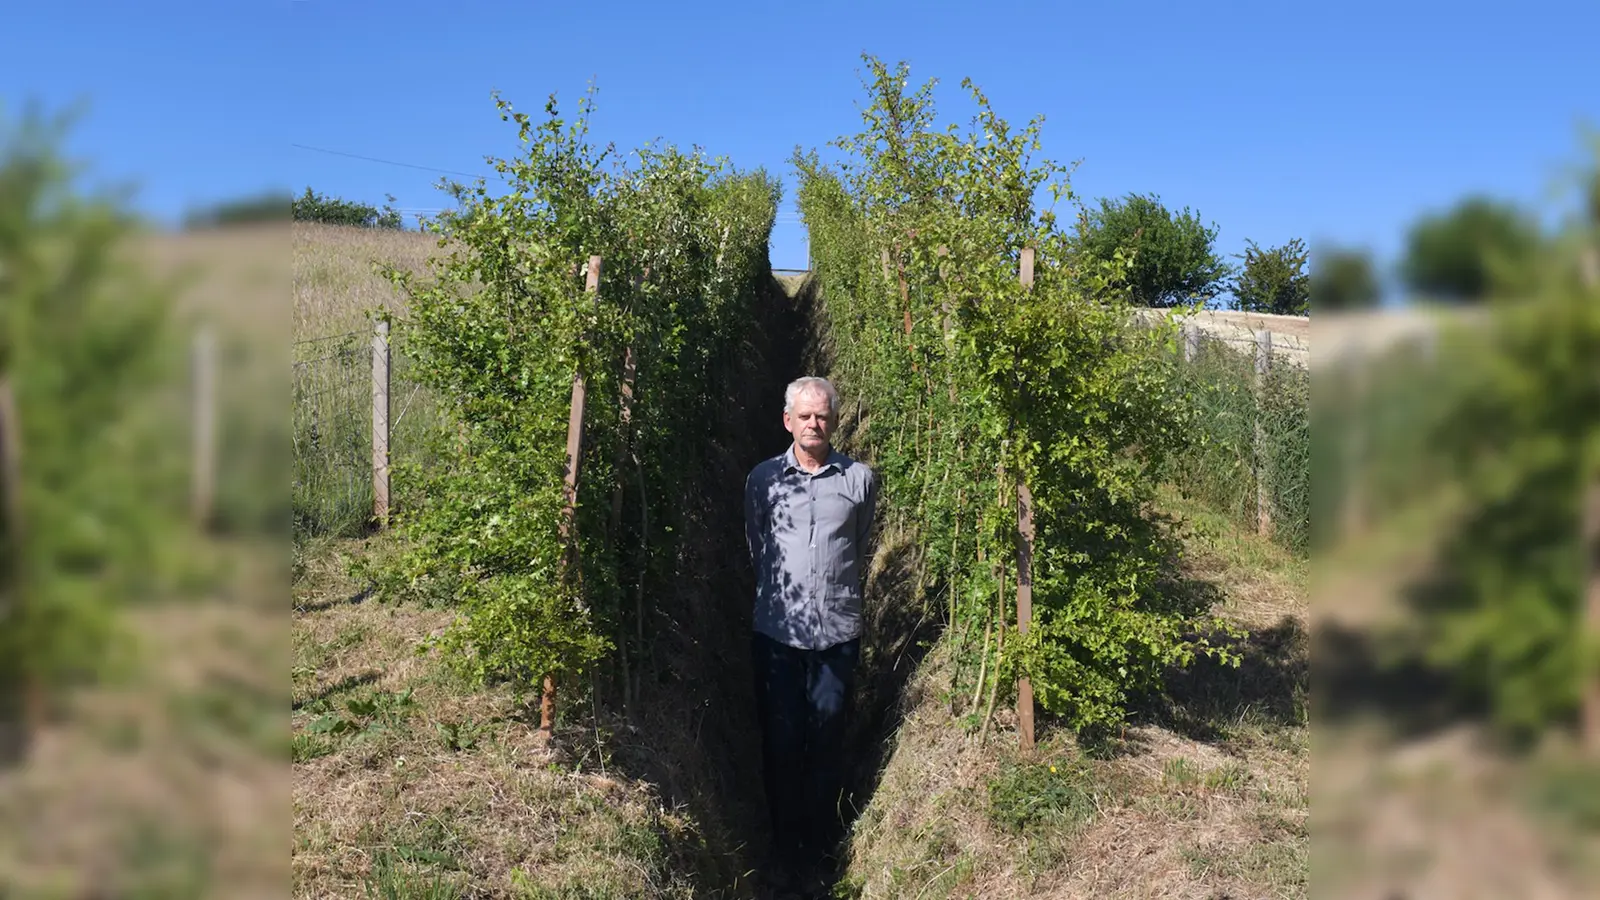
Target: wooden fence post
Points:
(569, 538)
(1591, 610)
(10, 482)
(1191, 342)
(380, 423)
(1354, 519)
(29, 701)
(1025, 564)
(1263, 366)
(1591, 554)
(203, 416)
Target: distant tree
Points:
(313, 207)
(1469, 251)
(1274, 281)
(1175, 262)
(1343, 280)
(272, 206)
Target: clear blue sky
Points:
(1337, 121)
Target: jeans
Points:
(803, 699)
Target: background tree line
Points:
(1461, 254)
(310, 206)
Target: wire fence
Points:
(334, 399)
(1252, 459)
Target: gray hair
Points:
(809, 384)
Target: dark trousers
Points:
(803, 698)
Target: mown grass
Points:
(409, 782)
(1206, 794)
(167, 779)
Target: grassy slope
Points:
(438, 782)
(1205, 796)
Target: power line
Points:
(387, 162)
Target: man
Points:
(808, 515)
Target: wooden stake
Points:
(203, 415)
(1024, 609)
(13, 559)
(1354, 519)
(1025, 566)
(1591, 551)
(380, 424)
(1591, 610)
(1263, 364)
(547, 703)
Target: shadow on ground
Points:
(1208, 699)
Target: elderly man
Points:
(808, 515)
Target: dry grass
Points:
(166, 781)
(454, 785)
(335, 279)
(1412, 798)
(1213, 803)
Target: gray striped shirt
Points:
(808, 542)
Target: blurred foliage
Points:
(1502, 412)
(314, 207)
(272, 206)
(86, 342)
(1343, 279)
(1273, 280)
(1173, 260)
(1505, 611)
(1477, 247)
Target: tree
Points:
(86, 355)
(1469, 251)
(1173, 257)
(1274, 281)
(313, 207)
(1343, 279)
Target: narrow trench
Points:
(692, 730)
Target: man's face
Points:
(810, 422)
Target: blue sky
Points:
(1337, 122)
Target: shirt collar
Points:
(835, 460)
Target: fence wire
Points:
(332, 422)
(1226, 465)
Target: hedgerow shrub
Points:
(967, 383)
(503, 328)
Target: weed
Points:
(390, 881)
(458, 736)
(1230, 777)
(1179, 772)
(1061, 794)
